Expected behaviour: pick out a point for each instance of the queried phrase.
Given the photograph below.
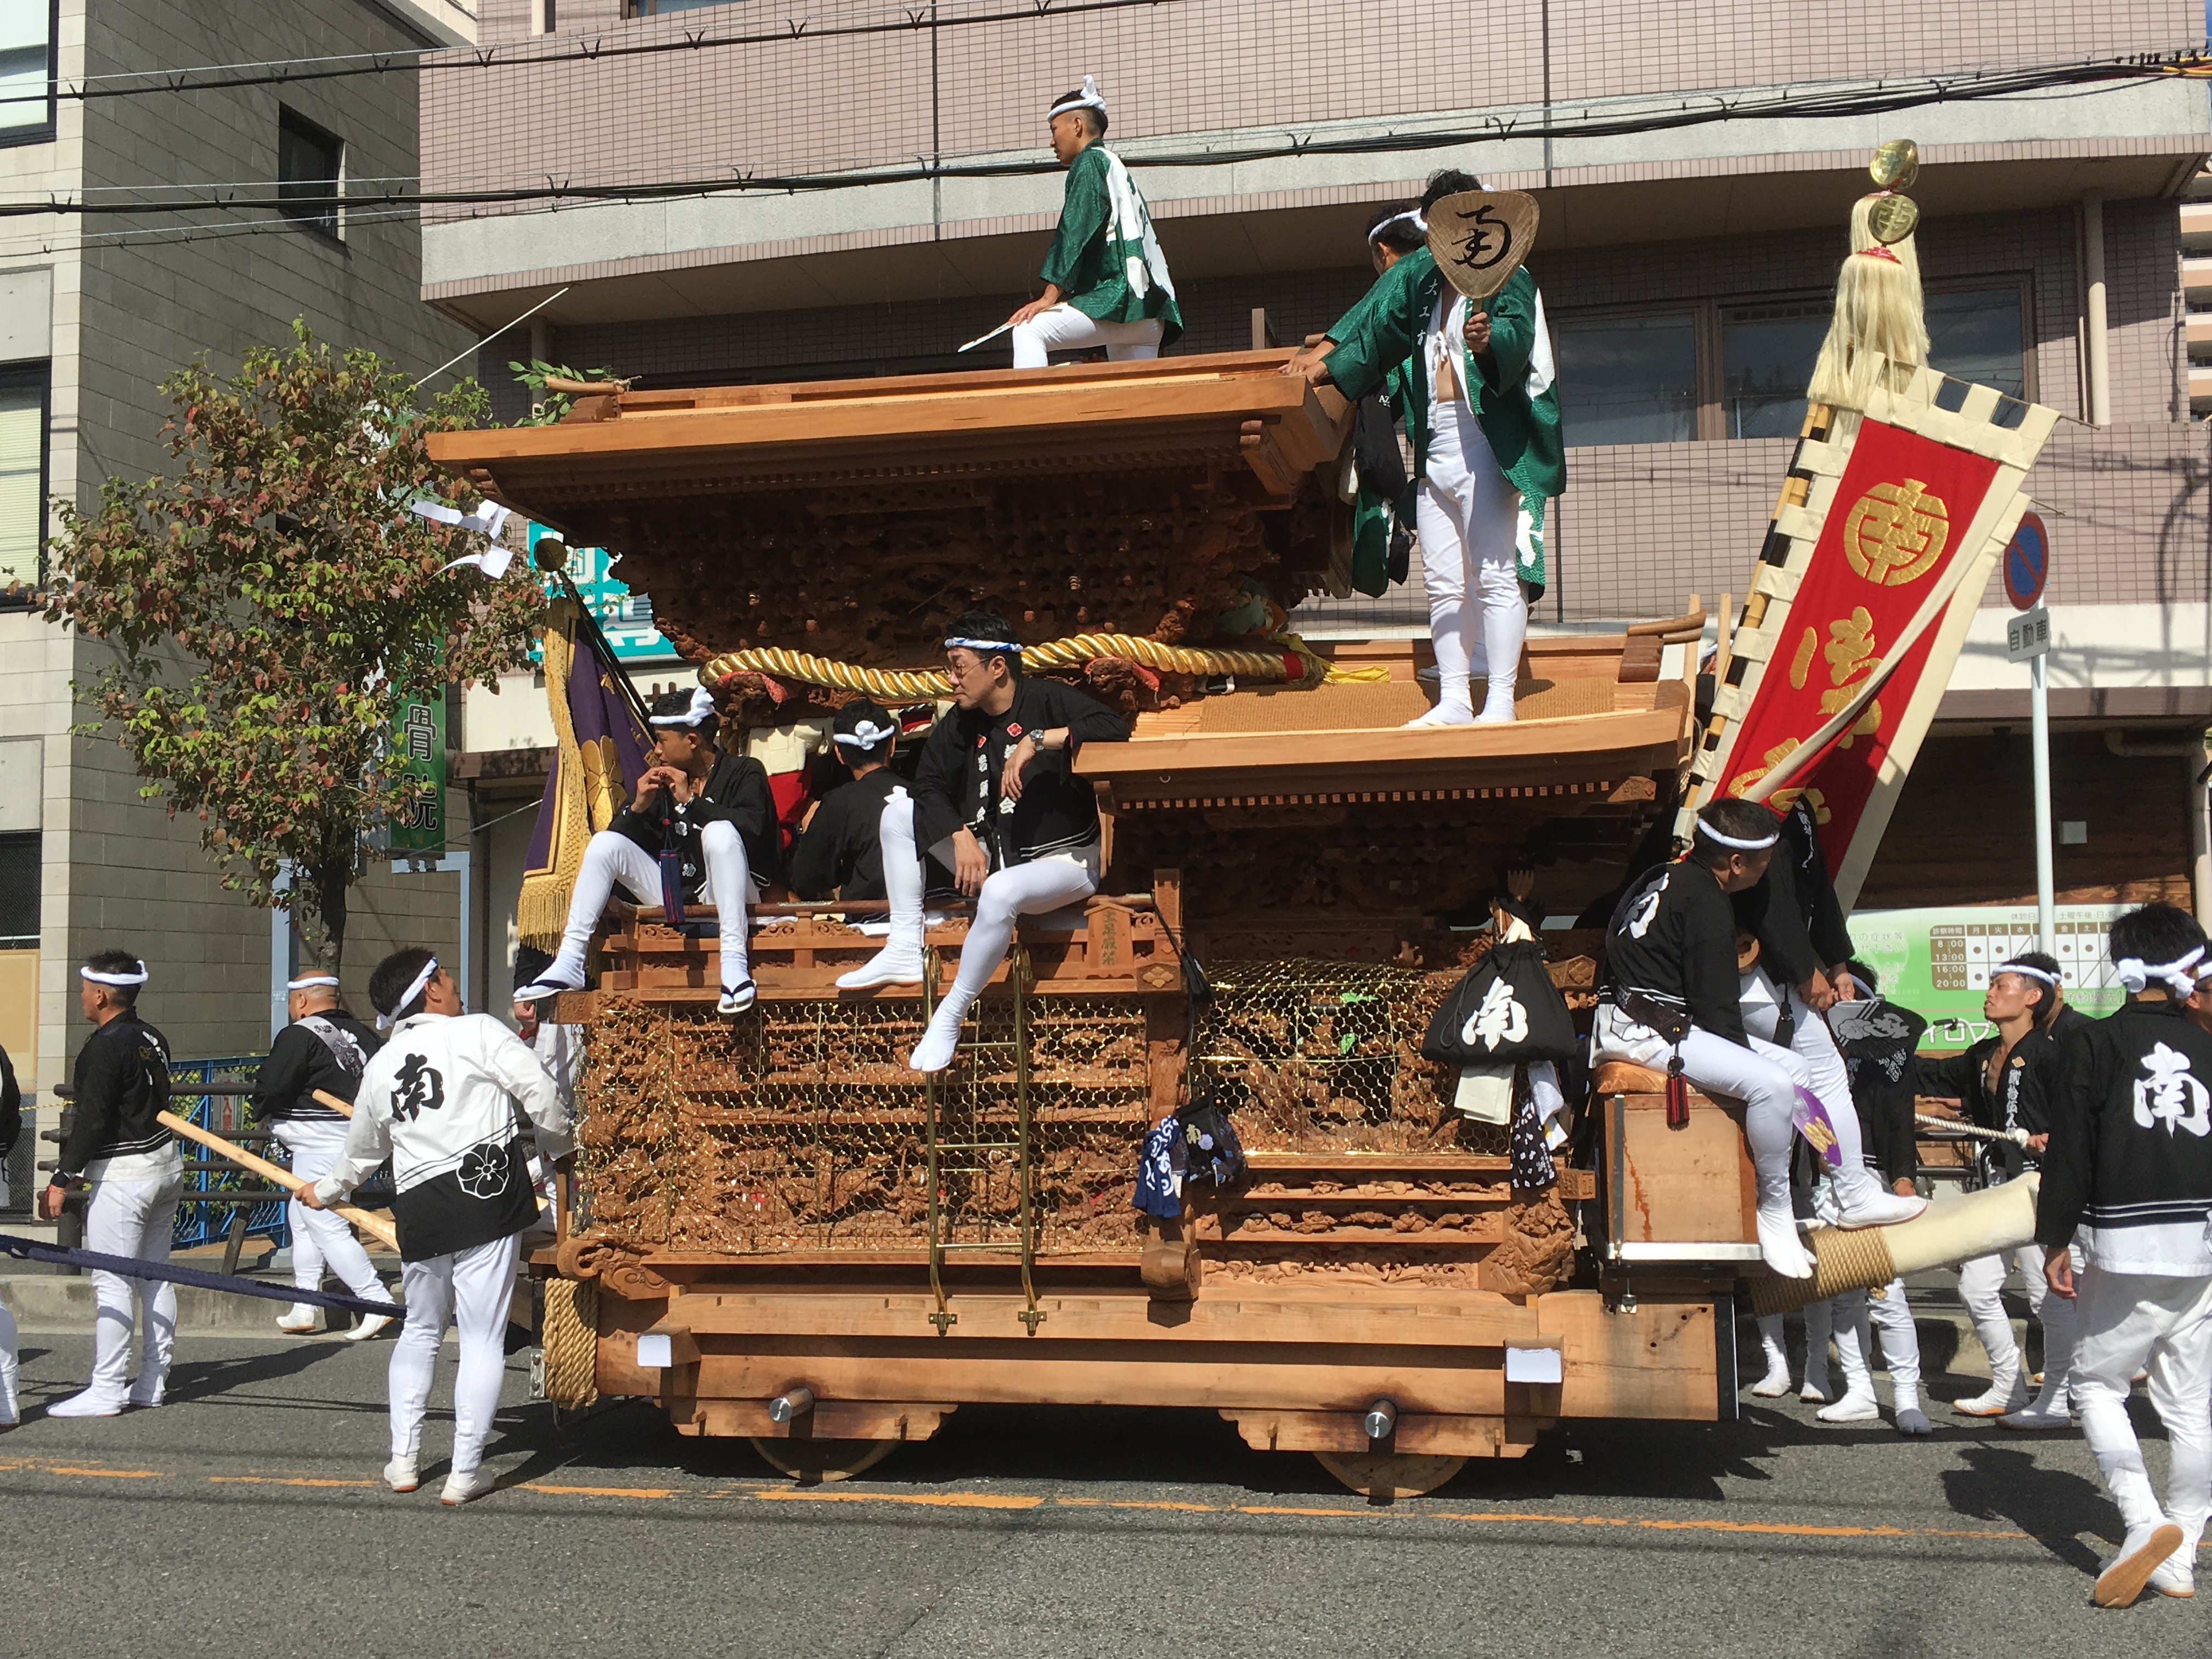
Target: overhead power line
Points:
(1616, 118)
(922, 17)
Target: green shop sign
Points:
(418, 751)
(1936, 962)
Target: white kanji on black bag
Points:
(1506, 1013)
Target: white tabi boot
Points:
(1775, 1383)
(2006, 1394)
(899, 962)
(1858, 1404)
(1779, 1246)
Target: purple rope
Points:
(130, 1267)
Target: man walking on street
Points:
(2129, 1163)
(323, 1051)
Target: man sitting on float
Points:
(1672, 997)
(996, 797)
(708, 817)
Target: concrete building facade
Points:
(93, 313)
(889, 196)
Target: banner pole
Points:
(2038, 703)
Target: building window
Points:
(26, 71)
(1767, 354)
(307, 173)
(1976, 335)
(19, 891)
(660, 7)
(1628, 380)
(22, 482)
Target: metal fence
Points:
(211, 1093)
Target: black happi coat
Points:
(956, 785)
(736, 792)
(2131, 1129)
(300, 1061)
(841, 851)
(1672, 938)
(122, 1079)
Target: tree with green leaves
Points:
(272, 604)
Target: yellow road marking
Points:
(950, 1500)
(1771, 1528)
(281, 1480)
(977, 1500)
(88, 1470)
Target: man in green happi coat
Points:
(1476, 391)
(1106, 282)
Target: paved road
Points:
(251, 1503)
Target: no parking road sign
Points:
(2026, 562)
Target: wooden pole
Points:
(380, 1230)
(325, 1097)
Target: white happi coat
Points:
(452, 1101)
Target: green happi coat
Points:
(1514, 400)
(1104, 258)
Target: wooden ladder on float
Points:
(1020, 979)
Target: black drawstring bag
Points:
(1506, 1013)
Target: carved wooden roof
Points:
(1227, 411)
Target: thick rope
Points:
(1290, 662)
(1857, 1260)
(571, 1343)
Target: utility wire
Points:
(920, 19)
(1788, 102)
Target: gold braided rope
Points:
(1842, 1260)
(1074, 652)
(571, 1343)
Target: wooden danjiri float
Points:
(785, 1235)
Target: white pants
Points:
(1021, 890)
(1063, 328)
(1891, 1314)
(1981, 1286)
(609, 858)
(470, 1288)
(1825, 1073)
(135, 1219)
(321, 1238)
(1468, 514)
(1764, 1076)
(10, 1377)
(2125, 1319)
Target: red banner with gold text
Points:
(1899, 520)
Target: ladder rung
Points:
(1011, 1246)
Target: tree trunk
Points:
(323, 917)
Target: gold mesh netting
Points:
(1312, 1055)
(802, 1129)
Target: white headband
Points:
(866, 735)
(2134, 973)
(701, 711)
(1087, 99)
(1012, 646)
(1410, 216)
(386, 1022)
(308, 981)
(1714, 835)
(99, 978)
(2047, 977)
